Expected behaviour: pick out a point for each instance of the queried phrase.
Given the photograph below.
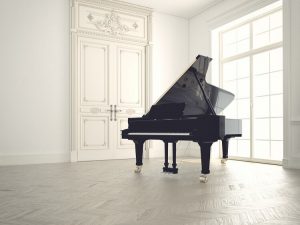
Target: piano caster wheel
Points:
(224, 161)
(138, 169)
(203, 178)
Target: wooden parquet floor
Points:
(109, 193)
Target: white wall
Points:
(34, 81)
(170, 50)
(169, 58)
(228, 10)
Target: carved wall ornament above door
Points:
(111, 24)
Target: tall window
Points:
(250, 65)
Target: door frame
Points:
(74, 132)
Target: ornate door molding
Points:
(110, 52)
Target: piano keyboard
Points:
(166, 134)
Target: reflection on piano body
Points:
(187, 111)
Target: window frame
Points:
(250, 53)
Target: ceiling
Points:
(181, 8)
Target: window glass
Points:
(252, 69)
(261, 63)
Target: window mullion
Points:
(252, 51)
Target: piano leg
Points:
(166, 167)
(139, 155)
(205, 160)
(175, 170)
(225, 143)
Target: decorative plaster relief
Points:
(111, 24)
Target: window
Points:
(250, 66)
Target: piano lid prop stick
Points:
(204, 94)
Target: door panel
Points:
(129, 77)
(130, 100)
(112, 84)
(95, 126)
(94, 73)
(95, 132)
(130, 64)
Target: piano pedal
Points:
(224, 161)
(203, 178)
(138, 169)
(170, 170)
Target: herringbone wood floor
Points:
(108, 192)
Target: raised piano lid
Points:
(186, 90)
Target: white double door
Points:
(111, 88)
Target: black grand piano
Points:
(187, 111)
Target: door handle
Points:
(111, 112)
(115, 111)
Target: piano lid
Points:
(187, 90)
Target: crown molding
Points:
(207, 7)
(116, 4)
(237, 11)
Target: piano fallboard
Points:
(210, 127)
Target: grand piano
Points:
(188, 111)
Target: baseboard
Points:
(34, 159)
(291, 163)
(74, 157)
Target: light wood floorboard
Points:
(109, 193)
